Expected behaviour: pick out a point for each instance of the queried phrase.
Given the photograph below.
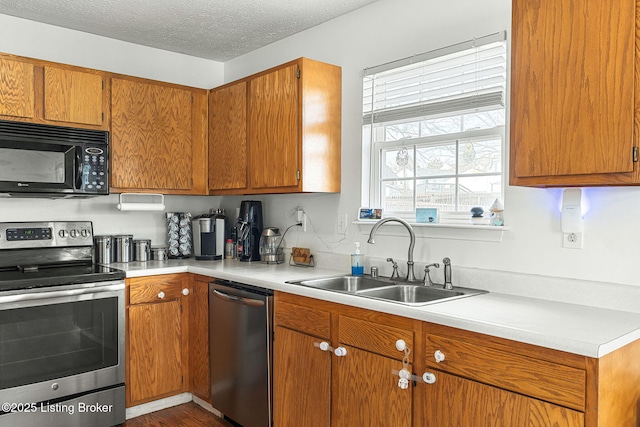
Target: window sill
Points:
(482, 233)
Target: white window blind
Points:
(470, 76)
(434, 125)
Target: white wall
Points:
(393, 29)
(42, 41)
(384, 31)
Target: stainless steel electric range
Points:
(61, 329)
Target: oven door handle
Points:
(33, 296)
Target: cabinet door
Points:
(456, 402)
(151, 136)
(155, 350)
(17, 93)
(572, 95)
(367, 392)
(273, 128)
(73, 96)
(199, 339)
(301, 380)
(228, 137)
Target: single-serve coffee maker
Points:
(208, 236)
(249, 230)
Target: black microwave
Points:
(53, 161)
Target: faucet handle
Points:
(394, 274)
(427, 278)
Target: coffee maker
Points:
(208, 236)
(249, 230)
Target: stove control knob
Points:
(73, 233)
(85, 233)
(63, 233)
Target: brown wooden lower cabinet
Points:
(156, 332)
(482, 381)
(315, 387)
(301, 380)
(167, 337)
(367, 391)
(452, 401)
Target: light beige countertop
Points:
(580, 329)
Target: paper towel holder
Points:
(141, 202)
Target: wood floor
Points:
(186, 415)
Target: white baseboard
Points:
(207, 406)
(156, 405)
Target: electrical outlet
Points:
(342, 223)
(572, 240)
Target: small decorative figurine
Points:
(497, 213)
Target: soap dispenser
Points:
(357, 261)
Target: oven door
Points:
(63, 341)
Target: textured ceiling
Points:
(214, 29)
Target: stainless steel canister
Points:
(142, 250)
(103, 249)
(123, 248)
(159, 253)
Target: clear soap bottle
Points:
(357, 261)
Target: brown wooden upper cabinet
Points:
(278, 131)
(44, 92)
(573, 72)
(17, 89)
(228, 137)
(158, 137)
(73, 96)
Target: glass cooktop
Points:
(14, 279)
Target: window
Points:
(434, 125)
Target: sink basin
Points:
(345, 283)
(410, 293)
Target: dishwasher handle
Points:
(238, 300)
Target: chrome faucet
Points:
(410, 276)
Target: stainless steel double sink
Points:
(410, 293)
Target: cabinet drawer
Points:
(303, 319)
(533, 377)
(155, 288)
(374, 337)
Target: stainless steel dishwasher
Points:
(240, 337)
